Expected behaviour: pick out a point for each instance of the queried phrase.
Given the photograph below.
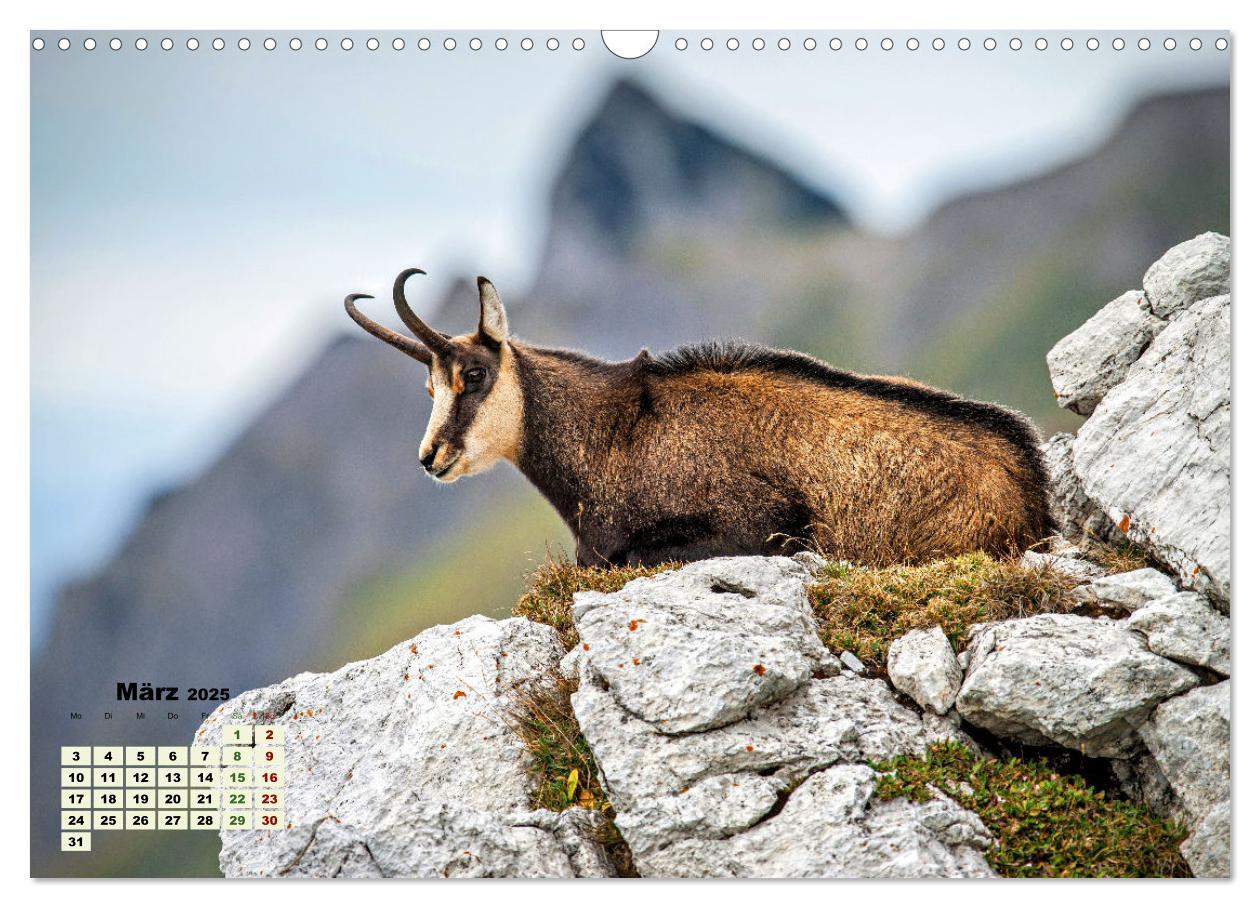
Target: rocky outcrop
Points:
(403, 765)
(730, 741)
(1207, 848)
(1151, 465)
(1189, 737)
(922, 665)
(1189, 272)
(1154, 455)
(768, 779)
(1078, 516)
(1078, 682)
(1095, 358)
(1184, 627)
(670, 653)
(830, 826)
(1128, 591)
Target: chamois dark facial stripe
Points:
(738, 356)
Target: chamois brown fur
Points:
(735, 449)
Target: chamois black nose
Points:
(426, 460)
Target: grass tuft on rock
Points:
(1115, 557)
(549, 590)
(864, 609)
(1044, 824)
(562, 767)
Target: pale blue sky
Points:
(196, 217)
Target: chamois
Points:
(725, 448)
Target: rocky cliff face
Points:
(1152, 372)
(731, 742)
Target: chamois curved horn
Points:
(432, 339)
(412, 348)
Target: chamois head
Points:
(478, 408)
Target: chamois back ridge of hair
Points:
(732, 356)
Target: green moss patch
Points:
(863, 610)
(1044, 824)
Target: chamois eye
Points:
(473, 377)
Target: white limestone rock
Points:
(403, 765)
(1155, 454)
(832, 826)
(1185, 628)
(1070, 565)
(1189, 272)
(1189, 738)
(685, 802)
(852, 662)
(1095, 357)
(769, 781)
(922, 665)
(1068, 680)
(705, 645)
(1129, 591)
(1207, 848)
(1077, 515)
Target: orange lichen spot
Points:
(634, 625)
(621, 665)
(441, 747)
(413, 649)
(458, 694)
(288, 825)
(406, 676)
(458, 633)
(635, 660)
(253, 716)
(1124, 524)
(586, 647)
(317, 737)
(349, 774)
(759, 669)
(310, 711)
(748, 747)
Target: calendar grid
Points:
(238, 785)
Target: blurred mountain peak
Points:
(636, 163)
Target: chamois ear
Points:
(494, 323)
